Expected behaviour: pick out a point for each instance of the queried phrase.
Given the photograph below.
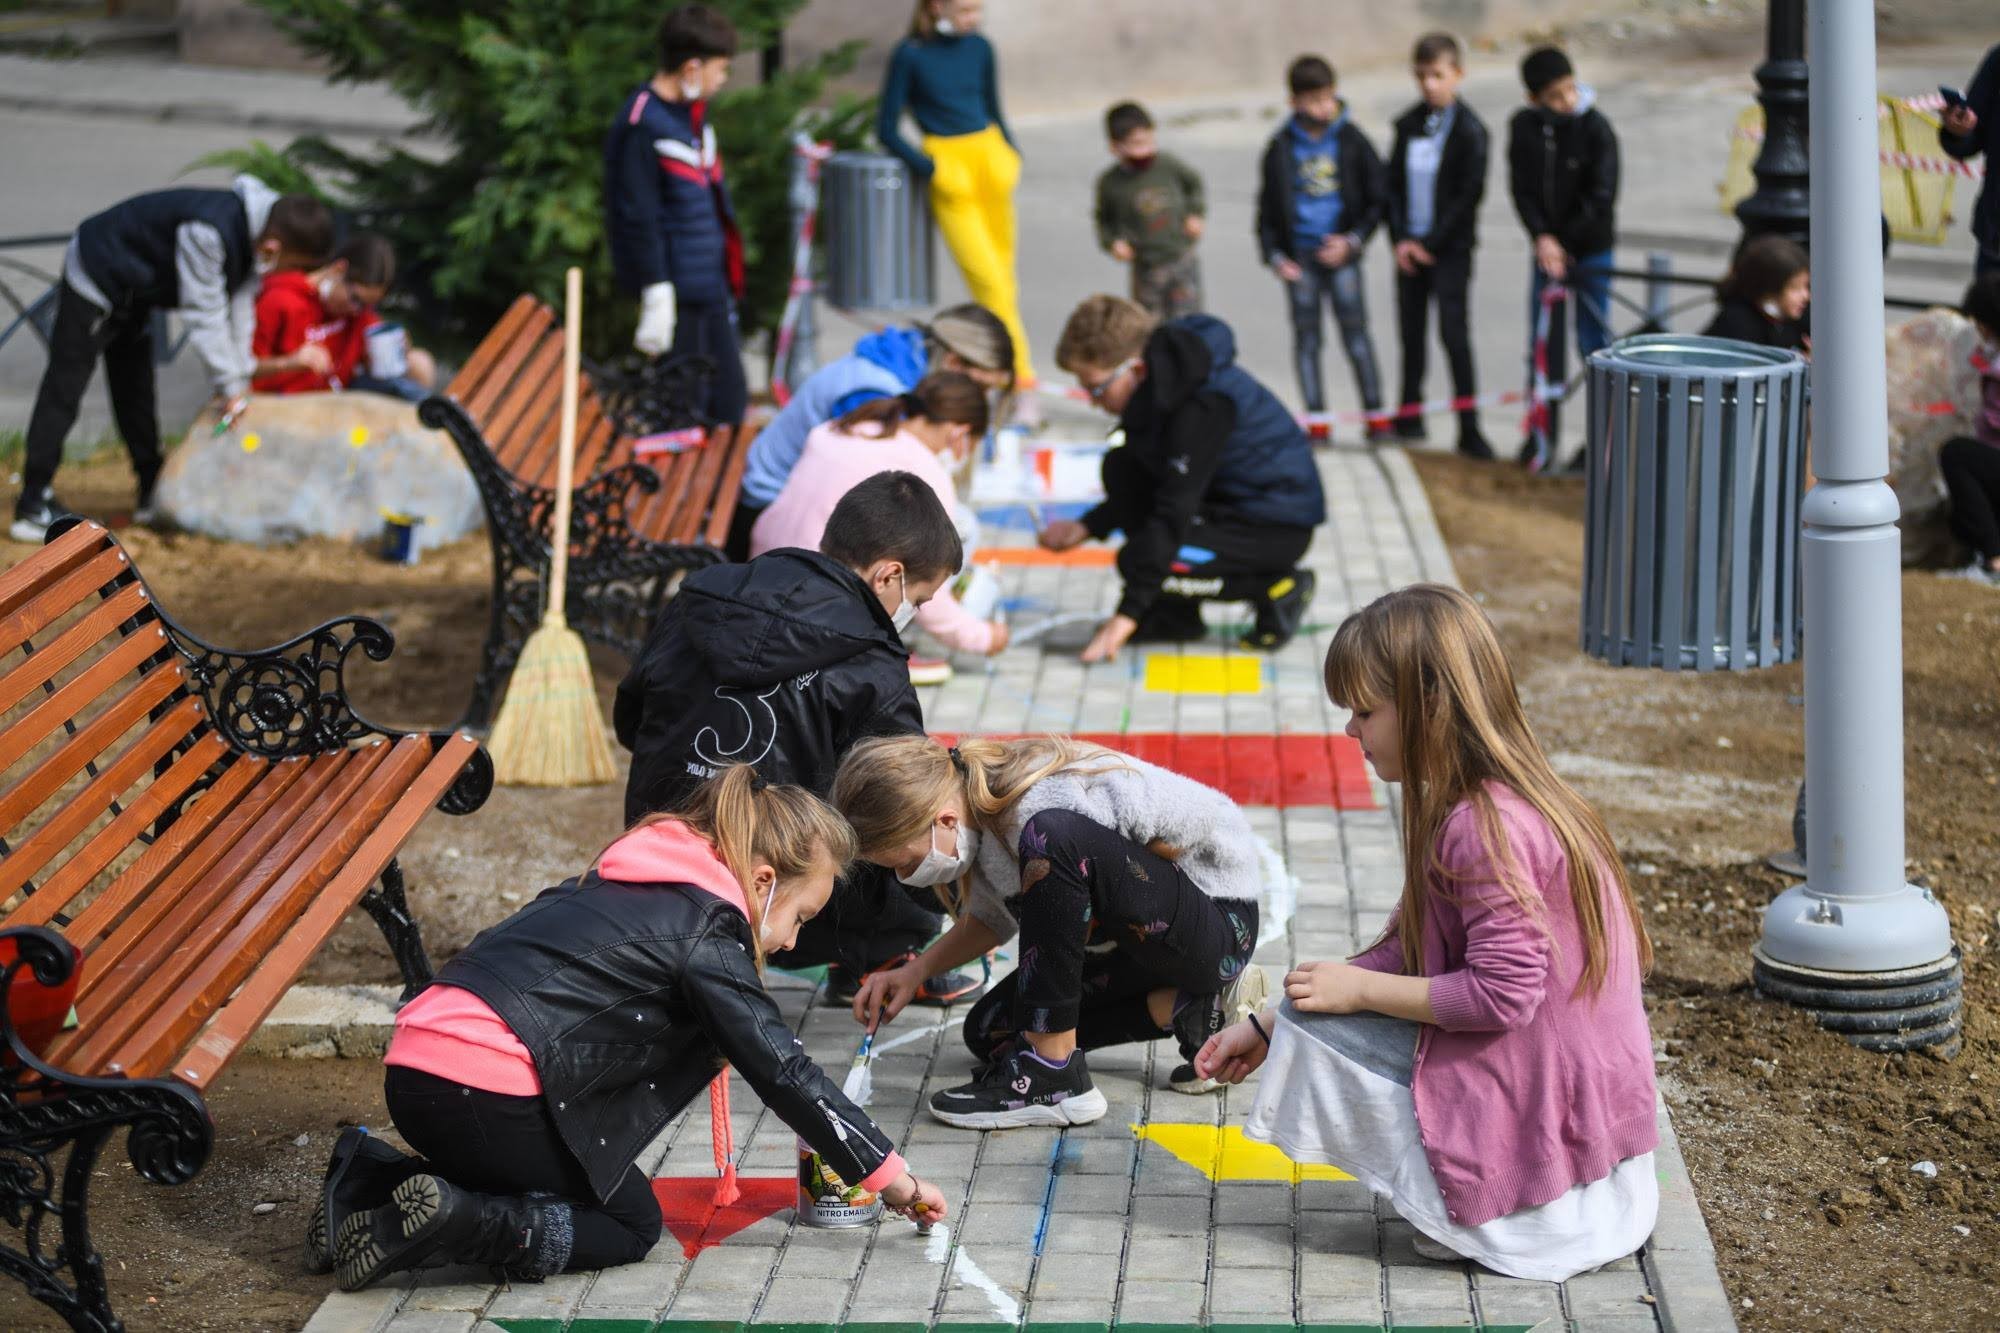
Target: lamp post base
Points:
(1912, 1008)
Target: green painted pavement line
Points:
(863, 1326)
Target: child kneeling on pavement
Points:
(1215, 486)
(1134, 891)
(537, 1067)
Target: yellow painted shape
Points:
(358, 437)
(1204, 673)
(250, 443)
(1220, 1152)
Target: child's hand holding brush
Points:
(912, 1198)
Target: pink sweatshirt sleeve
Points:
(945, 620)
(1386, 955)
(1504, 974)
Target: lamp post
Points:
(1870, 954)
(1781, 201)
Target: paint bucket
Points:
(388, 351)
(399, 537)
(825, 1200)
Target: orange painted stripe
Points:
(1079, 557)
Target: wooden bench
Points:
(195, 822)
(637, 522)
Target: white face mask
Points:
(946, 28)
(904, 612)
(937, 868)
(691, 89)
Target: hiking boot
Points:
(34, 517)
(428, 1219)
(362, 1173)
(1020, 1088)
(936, 992)
(1282, 610)
(1206, 1015)
(929, 670)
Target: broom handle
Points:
(566, 446)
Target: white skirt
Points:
(1335, 1089)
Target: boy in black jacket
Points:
(783, 664)
(667, 214)
(201, 252)
(1321, 198)
(1971, 128)
(1437, 176)
(1562, 163)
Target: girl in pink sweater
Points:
(1486, 1064)
(928, 431)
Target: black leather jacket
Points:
(629, 997)
(1461, 181)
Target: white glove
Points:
(656, 319)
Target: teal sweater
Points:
(949, 85)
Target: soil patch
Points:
(1801, 1146)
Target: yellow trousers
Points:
(972, 197)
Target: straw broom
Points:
(550, 732)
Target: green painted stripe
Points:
(731, 1326)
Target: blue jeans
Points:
(396, 386)
(1589, 284)
(1340, 288)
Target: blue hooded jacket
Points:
(882, 364)
(1266, 473)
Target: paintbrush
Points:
(860, 1083)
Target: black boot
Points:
(1171, 620)
(430, 1220)
(1282, 610)
(362, 1173)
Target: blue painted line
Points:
(1049, 1195)
(1022, 518)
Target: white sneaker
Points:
(1977, 572)
(32, 519)
(1435, 1251)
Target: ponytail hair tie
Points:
(757, 782)
(912, 405)
(958, 761)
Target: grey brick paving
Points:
(1092, 1226)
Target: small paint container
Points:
(825, 1200)
(399, 537)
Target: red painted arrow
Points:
(688, 1205)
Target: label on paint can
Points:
(825, 1200)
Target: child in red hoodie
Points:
(313, 328)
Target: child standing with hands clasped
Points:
(1486, 1065)
(1150, 212)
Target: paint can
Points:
(399, 537)
(388, 351)
(825, 1200)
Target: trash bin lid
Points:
(1691, 354)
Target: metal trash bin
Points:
(879, 243)
(1695, 475)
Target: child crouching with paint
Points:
(1134, 891)
(1486, 1065)
(537, 1067)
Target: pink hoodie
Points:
(834, 463)
(450, 1033)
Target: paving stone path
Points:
(1159, 1215)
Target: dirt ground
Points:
(1801, 1146)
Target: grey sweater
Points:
(1143, 802)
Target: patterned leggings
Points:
(1104, 922)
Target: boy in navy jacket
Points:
(201, 252)
(1437, 176)
(667, 215)
(1322, 196)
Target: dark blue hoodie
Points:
(1266, 473)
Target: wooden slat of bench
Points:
(525, 407)
(26, 581)
(46, 718)
(507, 363)
(530, 449)
(180, 855)
(651, 515)
(47, 777)
(72, 643)
(689, 519)
(165, 936)
(58, 598)
(474, 371)
(222, 961)
(95, 797)
(91, 859)
(597, 443)
(723, 509)
(260, 993)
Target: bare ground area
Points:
(1801, 1146)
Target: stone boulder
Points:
(1933, 391)
(318, 465)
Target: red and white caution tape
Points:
(801, 289)
(1929, 166)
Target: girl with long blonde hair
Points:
(543, 1059)
(1486, 1064)
(1134, 891)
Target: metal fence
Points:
(1695, 472)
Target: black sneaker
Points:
(361, 1173)
(34, 517)
(1381, 431)
(1203, 1018)
(1473, 444)
(936, 992)
(146, 513)
(1171, 620)
(1020, 1088)
(1411, 427)
(1282, 611)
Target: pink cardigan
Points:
(831, 465)
(1523, 1089)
